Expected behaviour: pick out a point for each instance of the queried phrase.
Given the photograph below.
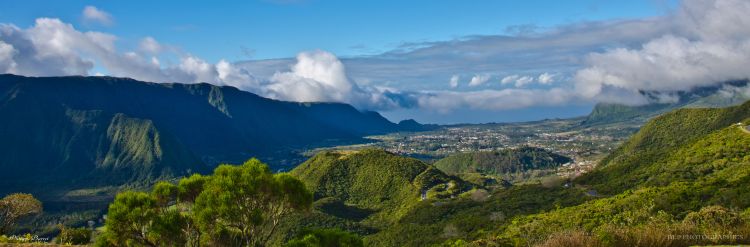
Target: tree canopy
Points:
(236, 206)
(13, 207)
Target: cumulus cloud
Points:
(479, 80)
(454, 81)
(522, 81)
(317, 76)
(518, 80)
(509, 79)
(6, 57)
(150, 45)
(92, 14)
(711, 45)
(54, 48)
(446, 101)
(320, 76)
(546, 78)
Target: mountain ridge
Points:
(723, 95)
(88, 129)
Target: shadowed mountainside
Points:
(90, 131)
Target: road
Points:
(746, 129)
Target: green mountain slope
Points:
(366, 191)
(375, 180)
(501, 162)
(685, 173)
(604, 113)
(677, 167)
(705, 97)
(58, 133)
(644, 154)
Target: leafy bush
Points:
(713, 217)
(237, 205)
(77, 236)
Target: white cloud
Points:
(546, 78)
(200, 70)
(702, 43)
(479, 80)
(712, 46)
(522, 81)
(7, 65)
(320, 76)
(149, 45)
(454, 81)
(317, 76)
(509, 79)
(729, 91)
(92, 14)
(54, 48)
(230, 75)
(447, 101)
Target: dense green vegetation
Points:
(376, 181)
(501, 162)
(660, 147)
(235, 206)
(682, 180)
(685, 173)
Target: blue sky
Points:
(282, 28)
(435, 61)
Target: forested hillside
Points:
(61, 133)
(375, 180)
(501, 162)
(702, 97)
(686, 173)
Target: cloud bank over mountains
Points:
(701, 43)
(710, 43)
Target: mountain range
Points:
(65, 132)
(726, 94)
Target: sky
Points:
(434, 61)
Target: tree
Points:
(246, 203)
(15, 207)
(142, 219)
(130, 219)
(238, 205)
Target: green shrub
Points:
(712, 217)
(75, 236)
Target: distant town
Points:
(584, 145)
